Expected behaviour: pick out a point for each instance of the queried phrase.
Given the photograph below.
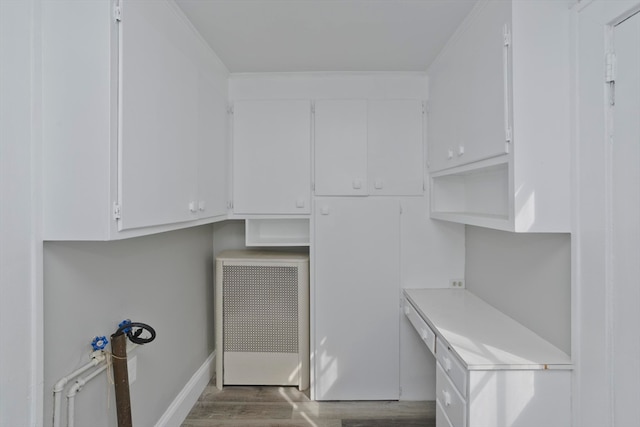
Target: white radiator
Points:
(262, 318)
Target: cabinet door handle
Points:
(192, 207)
(447, 364)
(300, 203)
(357, 184)
(447, 397)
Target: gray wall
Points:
(165, 280)
(527, 276)
(228, 235)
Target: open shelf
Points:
(475, 194)
(277, 232)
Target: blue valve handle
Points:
(99, 343)
(123, 323)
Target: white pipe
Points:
(96, 358)
(71, 395)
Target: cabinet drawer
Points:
(451, 401)
(426, 333)
(452, 366)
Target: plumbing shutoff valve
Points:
(123, 323)
(99, 343)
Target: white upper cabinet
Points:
(159, 85)
(370, 147)
(467, 101)
(395, 147)
(272, 157)
(134, 121)
(499, 119)
(340, 148)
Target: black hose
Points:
(134, 337)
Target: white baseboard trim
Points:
(177, 412)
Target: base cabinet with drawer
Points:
(490, 370)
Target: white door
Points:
(272, 157)
(625, 224)
(395, 155)
(340, 147)
(356, 298)
(158, 117)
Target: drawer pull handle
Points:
(447, 364)
(447, 398)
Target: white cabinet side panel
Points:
(520, 398)
(541, 116)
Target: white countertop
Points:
(483, 337)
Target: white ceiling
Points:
(326, 35)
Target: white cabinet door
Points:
(158, 118)
(271, 157)
(356, 298)
(340, 149)
(395, 147)
(368, 147)
(212, 158)
(469, 91)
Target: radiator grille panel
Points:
(260, 309)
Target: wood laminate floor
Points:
(252, 406)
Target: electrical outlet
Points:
(456, 283)
(132, 368)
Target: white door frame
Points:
(592, 288)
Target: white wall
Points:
(527, 276)
(165, 280)
(20, 251)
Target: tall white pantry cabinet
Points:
(134, 121)
(357, 342)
